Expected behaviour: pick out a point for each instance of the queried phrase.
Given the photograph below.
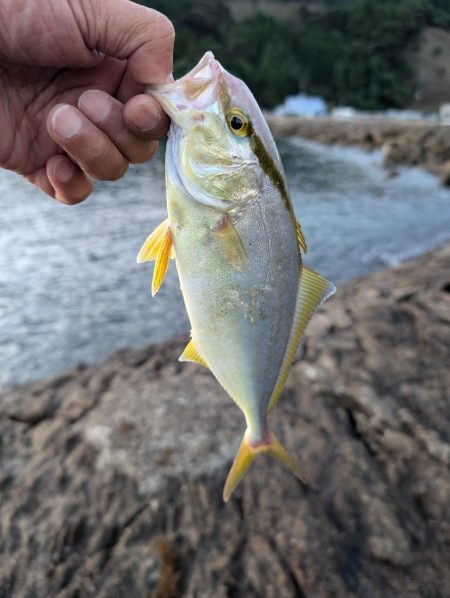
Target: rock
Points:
(111, 477)
(407, 143)
(444, 175)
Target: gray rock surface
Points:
(111, 477)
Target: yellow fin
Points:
(278, 452)
(162, 261)
(191, 353)
(301, 238)
(149, 250)
(313, 290)
(243, 459)
(229, 242)
(247, 454)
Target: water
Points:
(70, 290)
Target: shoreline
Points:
(403, 143)
(116, 471)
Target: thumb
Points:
(125, 30)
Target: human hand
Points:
(71, 81)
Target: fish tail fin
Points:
(247, 453)
(278, 452)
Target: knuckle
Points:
(76, 200)
(165, 27)
(106, 165)
(70, 201)
(84, 192)
(143, 154)
(117, 171)
(78, 191)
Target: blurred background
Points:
(369, 54)
(111, 471)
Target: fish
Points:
(237, 246)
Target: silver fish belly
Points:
(250, 310)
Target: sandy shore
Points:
(111, 477)
(408, 143)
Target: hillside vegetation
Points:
(348, 52)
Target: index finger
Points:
(125, 30)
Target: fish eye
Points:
(238, 123)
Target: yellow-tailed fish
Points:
(237, 245)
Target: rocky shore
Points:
(406, 143)
(111, 477)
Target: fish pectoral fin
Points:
(248, 453)
(159, 247)
(150, 249)
(301, 237)
(313, 290)
(191, 353)
(162, 261)
(229, 242)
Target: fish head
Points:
(220, 147)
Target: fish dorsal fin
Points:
(301, 237)
(191, 354)
(229, 242)
(149, 250)
(313, 290)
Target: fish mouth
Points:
(195, 91)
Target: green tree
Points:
(262, 52)
(353, 52)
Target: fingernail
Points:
(147, 116)
(65, 122)
(63, 170)
(95, 104)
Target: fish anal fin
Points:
(191, 353)
(150, 249)
(162, 261)
(301, 237)
(229, 242)
(313, 290)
